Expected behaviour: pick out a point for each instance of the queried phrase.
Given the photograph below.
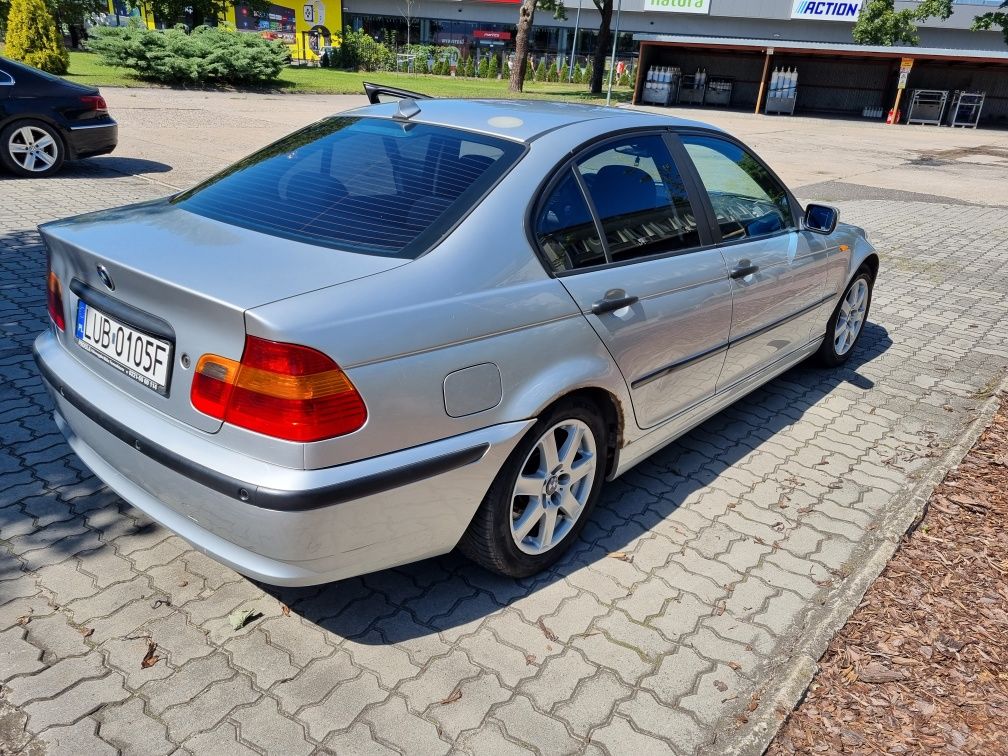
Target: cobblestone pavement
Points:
(698, 575)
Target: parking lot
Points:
(687, 619)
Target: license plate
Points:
(142, 357)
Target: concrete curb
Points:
(795, 675)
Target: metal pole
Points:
(577, 23)
(612, 63)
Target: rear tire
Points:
(543, 495)
(846, 325)
(32, 149)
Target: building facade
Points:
(466, 23)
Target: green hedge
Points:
(206, 56)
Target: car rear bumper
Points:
(274, 524)
(93, 139)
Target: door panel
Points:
(777, 272)
(620, 229)
(775, 307)
(670, 344)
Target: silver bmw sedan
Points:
(429, 324)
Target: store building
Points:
(461, 22)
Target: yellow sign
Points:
(906, 65)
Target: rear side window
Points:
(566, 230)
(365, 185)
(640, 198)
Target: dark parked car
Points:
(45, 120)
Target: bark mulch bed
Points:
(922, 665)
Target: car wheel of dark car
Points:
(543, 495)
(847, 322)
(31, 148)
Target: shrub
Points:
(484, 67)
(540, 72)
(359, 52)
(206, 56)
(564, 73)
(493, 69)
(32, 37)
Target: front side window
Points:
(366, 185)
(747, 200)
(640, 198)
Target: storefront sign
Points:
(818, 10)
(446, 38)
(906, 66)
(485, 34)
(678, 6)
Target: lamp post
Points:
(612, 63)
(577, 23)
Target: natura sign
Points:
(817, 10)
(678, 6)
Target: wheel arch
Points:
(612, 414)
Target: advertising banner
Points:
(677, 6)
(820, 10)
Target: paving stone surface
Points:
(734, 540)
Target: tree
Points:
(602, 47)
(526, 16)
(881, 24)
(994, 18)
(32, 37)
(406, 10)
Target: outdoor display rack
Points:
(661, 85)
(783, 93)
(966, 109)
(691, 91)
(927, 106)
(719, 91)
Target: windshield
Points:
(369, 185)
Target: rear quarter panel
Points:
(482, 296)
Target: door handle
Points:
(609, 305)
(744, 270)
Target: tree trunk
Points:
(525, 17)
(602, 48)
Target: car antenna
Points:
(407, 108)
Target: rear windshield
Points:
(368, 185)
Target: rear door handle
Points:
(744, 270)
(609, 305)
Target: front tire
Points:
(846, 325)
(543, 495)
(31, 149)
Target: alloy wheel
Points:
(851, 318)
(33, 148)
(553, 486)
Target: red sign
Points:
(482, 34)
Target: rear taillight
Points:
(95, 102)
(282, 390)
(54, 301)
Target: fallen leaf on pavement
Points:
(622, 556)
(735, 666)
(150, 658)
(530, 659)
(23, 620)
(453, 697)
(720, 686)
(550, 635)
(87, 632)
(241, 617)
(285, 610)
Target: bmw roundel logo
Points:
(106, 279)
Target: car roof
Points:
(525, 120)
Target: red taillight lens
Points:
(282, 390)
(95, 102)
(54, 301)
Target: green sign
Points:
(678, 6)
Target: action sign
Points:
(678, 6)
(816, 10)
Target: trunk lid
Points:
(196, 275)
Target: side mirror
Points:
(821, 218)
